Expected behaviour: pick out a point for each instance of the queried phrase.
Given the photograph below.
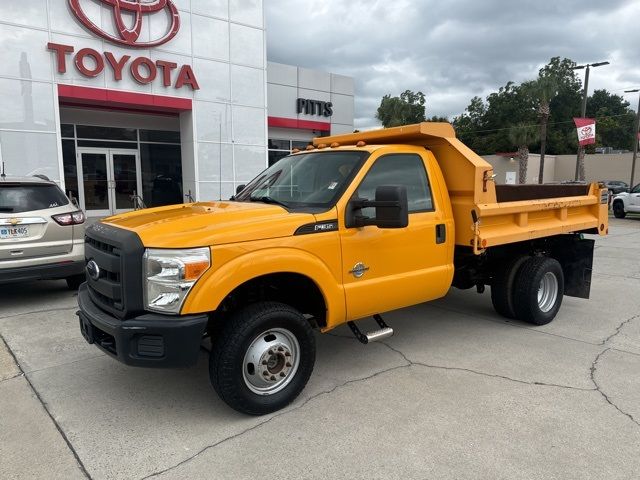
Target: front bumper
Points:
(48, 271)
(150, 340)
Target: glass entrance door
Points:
(107, 180)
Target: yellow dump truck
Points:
(354, 226)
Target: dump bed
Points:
(505, 213)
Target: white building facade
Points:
(162, 99)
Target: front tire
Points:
(539, 289)
(618, 210)
(262, 358)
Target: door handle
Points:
(441, 233)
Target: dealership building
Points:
(164, 99)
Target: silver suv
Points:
(41, 232)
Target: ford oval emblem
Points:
(93, 270)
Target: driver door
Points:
(390, 268)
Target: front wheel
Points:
(262, 358)
(539, 289)
(618, 209)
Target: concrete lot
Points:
(458, 392)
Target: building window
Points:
(279, 148)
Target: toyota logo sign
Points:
(138, 9)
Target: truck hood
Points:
(210, 223)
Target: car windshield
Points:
(307, 180)
(17, 198)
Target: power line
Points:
(537, 124)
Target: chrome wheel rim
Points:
(547, 292)
(271, 361)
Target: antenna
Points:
(2, 174)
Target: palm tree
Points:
(542, 92)
(523, 135)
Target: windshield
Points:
(314, 179)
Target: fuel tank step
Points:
(385, 331)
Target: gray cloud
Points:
(452, 50)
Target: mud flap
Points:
(576, 258)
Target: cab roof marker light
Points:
(310, 147)
(335, 145)
(361, 143)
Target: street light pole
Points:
(636, 124)
(580, 158)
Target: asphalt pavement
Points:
(457, 392)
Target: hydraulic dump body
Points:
(503, 214)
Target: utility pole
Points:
(636, 124)
(580, 158)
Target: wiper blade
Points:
(270, 200)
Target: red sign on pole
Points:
(586, 128)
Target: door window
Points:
(398, 170)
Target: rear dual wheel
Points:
(529, 289)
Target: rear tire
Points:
(618, 210)
(503, 285)
(538, 292)
(262, 358)
(74, 282)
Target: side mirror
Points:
(239, 188)
(391, 206)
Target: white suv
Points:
(41, 232)
(624, 202)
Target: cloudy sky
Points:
(453, 50)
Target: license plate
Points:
(14, 232)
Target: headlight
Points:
(170, 274)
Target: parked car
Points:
(41, 232)
(627, 202)
(616, 186)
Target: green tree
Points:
(521, 136)
(614, 117)
(551, 101)
(406, 109)
(561, 136)
(485, 126)
(470, 124)
(542, 90)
